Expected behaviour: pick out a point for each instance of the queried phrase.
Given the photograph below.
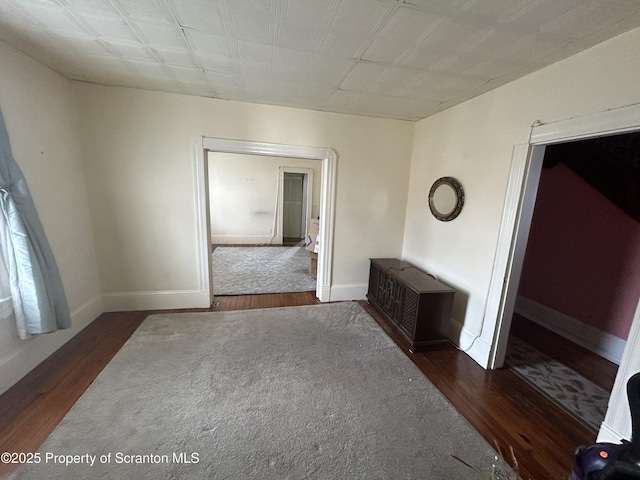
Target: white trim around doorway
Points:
(516, 220)
(327, 156)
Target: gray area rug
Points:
(254, 270)
(316, 392)
(579, 397)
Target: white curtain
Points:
(6, 304)
(30, 284)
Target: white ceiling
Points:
(404, 59)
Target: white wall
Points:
(39, 112)
(474, 142)
(140, 175)
(243, 193)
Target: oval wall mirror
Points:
(446, 198)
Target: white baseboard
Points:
(37, 348)
(242, 239)
(158, 300)
(470, 343)
(354, 291)
(603, 343)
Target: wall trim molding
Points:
(598, 341)
(36, 349)
(327, 156)
(470, 343)
(243, 239)
(156, 300)
(349, 291)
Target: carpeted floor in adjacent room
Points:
(255, 270)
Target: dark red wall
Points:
(583, 255)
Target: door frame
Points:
(327, 156)
(308, 173)
(524, 176)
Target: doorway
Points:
(328, 159)
(294, 218)
(302, 199)
(519, 203)
(580, 278)
(253, 201)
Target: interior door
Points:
(293, 206)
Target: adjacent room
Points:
(160, 160)
(261, 210)
(579, 287)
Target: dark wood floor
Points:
(598, 370)
(505, 410)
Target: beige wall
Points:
(38, 109)
(140, 172)
(243, 194)
(474, 142)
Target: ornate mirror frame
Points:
(458, 192)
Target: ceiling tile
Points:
(160, 35)
(150, 69)
(385, 51)
(360, 16)
(251, 26)
(300, 38)
(589, 17)
(220, 80)
(53, 18)
(452, 35)
(512, 46)
(17, 18)
(96, 7)
(396, 59)
(491, 11)
(80, 43)
(381, 79)
(218, 63)
(207, 44)
(115, 28)
(200, 16)
(146, 10)
(254, 72)
(440, 7)
(177, 57)
(259, 7)
(344, 44)
(409, 26)
(470, 65)
(104, 63)
(445, 86)
(131, 50)
(538, 12)
(188, 74)
(307, 13)
(290, 60)
(421, 58)
(254, 53)
(295, 95)
(328, 72)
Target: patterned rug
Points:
(255, 270)
(579, 397)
